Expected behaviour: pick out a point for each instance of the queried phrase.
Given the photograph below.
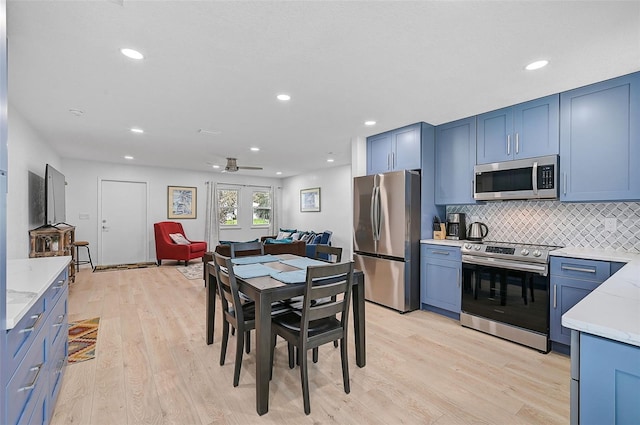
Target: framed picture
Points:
(310, 200)
(181, 202)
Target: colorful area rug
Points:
(124, 267)
(192, 271)
(82, 340)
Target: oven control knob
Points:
(477, 247)
(537, 253)
(467, 246)
(524, 252)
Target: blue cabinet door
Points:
(494, 136)
(379, 153)
(536, 127)
(565, 293)
(609, 381)
(406, 148)
(440, 277)
(525, 130)
(455, 158)
(600, 141)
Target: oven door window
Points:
(509, 296)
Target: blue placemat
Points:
(303, 263)
(254, 259)
(296, 276)
(248, 271)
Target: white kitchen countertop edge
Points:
(612, 310)
(30, 277)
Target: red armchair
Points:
(167, 249)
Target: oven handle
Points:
(541, 269)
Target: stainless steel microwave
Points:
(530, 178)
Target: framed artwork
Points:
(310, 200)
(181, 202)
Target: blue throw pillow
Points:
(316, 240)
(270, 241)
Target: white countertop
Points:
(27, 280)
(612, 310)
(447, 242)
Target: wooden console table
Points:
(54, 241)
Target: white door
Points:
(122, 222)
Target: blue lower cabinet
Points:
(565, 293)
(440, 279)
(609, 382)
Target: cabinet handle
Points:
(393, 160)
(32, 385)
(32, 328)
(440, 252)
(508, 144)
(388, 161)
(517, 143)
(60, 284)
(578, 269)
(555, 293)
(59, 323)
(565, 183)
(458, 277)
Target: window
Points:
(261, 208)
(228, 207)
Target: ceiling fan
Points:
(232, 166)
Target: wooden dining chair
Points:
(241, 249)
(319, 323)
(330, 254)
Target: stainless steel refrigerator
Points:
(386, 232)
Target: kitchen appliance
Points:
(456, 226)
(386, 237)
(505, 291)
(477, 231)
(530, 178)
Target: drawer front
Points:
(26, 384)
(57, 320)
(21, 337)
(59, 285)
(451, 253)
(597, 271)
(57, 363)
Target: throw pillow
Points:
(282, 234)
(296, 236)
(179, 239)
(270, 241)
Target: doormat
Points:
(192, 271)
(82, 340)
(124, 266)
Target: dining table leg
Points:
(359, 321)
(212, 287)
(263, 353)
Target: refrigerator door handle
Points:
(375, 213)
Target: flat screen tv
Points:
(54, 196)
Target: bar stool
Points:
(82, 244)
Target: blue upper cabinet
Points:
(525, 130)
(600, 141)
(455, 157)
(395, 150)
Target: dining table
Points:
(265, 290)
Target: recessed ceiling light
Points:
(215, 166)
(536, 65)
(254, 149)
(132, 54)
(76, 112)
(136, 130)
(283, 97)
(128, 157)
(330, 160)
(371, 122)
(278, 172)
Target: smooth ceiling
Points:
(218, 66)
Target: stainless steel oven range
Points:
(505, 291)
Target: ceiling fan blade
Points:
(250, 168)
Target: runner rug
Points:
(124, 267)
(192, 271)
(82, 340)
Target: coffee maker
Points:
(456, 226)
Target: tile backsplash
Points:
(559, 223)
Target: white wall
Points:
(82, 196)
(28, 152)
(336, 205)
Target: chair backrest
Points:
(164, 228)
(228, 289)
(327, 282)
(329, 253)
(239, 249)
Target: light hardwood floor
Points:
(153, 366)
